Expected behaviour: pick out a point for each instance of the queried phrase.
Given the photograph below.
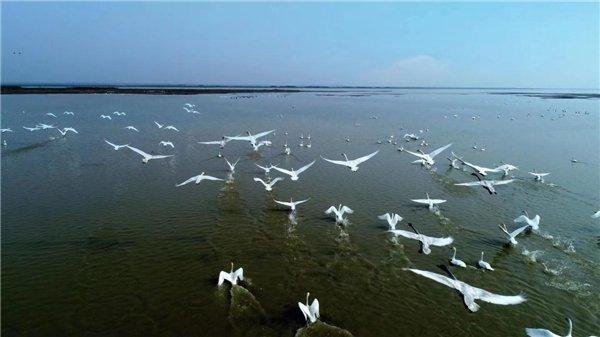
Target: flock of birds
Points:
(470, 294)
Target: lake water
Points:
(96, 243)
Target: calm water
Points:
(96, 243)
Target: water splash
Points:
(531, 256)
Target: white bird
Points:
(160, 126)
(506, 168)
(547, 333)
(257, 145)
(539, 176)
(456, 262)
(391, 218)
(69, 113)
(479, 169)
(250, 137)
(267, 169)
(470, 293)
(309, 145)
(232, 276)
(197, 179)
(115, 146)
(426, 241)
(512, 235)
(51, 114)
(427, 159)
(6, 130)
(270, 184)
(171, 127)
(119, 113)
(132, 128)
(292, 204)
(165, 143)
(596, 215)
(232, 166)
(534, 223)
(484, 265)
(294, 173)
(339, 212)
(64, 131)
(146, 156)
(221, 142)
(311, 313)
(352, 164)
(431, 203)
(45, 126)
(106, 117)
(70, 129)
(487, 184)
(287, 151)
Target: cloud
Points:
(420, 70)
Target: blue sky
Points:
(394, 44)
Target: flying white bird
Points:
(146, 156)
(51, 114)
(311, 313)
(484, 265)
(294, 173)
(257, 145)
(171, 127)
(116, 147)
(506, 168)
(270, 184)
(479, 169)
(232, 276)
(426, 241)
(352, 164)
(547, 333)
(106, 117)
(456, 262)
(45, 126)
(512, 235)
(250, 137)
(470, 293)
(6, 130)
(391, 218)
(32, 129)
(132, 128)
(487, 184)
(221, 142)
(427, 159)
(64, 131)
(339, 212)
(267, 169)
(292, 204)
(232, 166)
(197, 179)
(431, 203)
(119, 113)
(534, 223)
(69, 113)
(165, 143)
(539, 176)
(596, 215)
(159, 125)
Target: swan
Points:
(391, 218)
(596, 215)
(146, 156)
(309, 145)
(539, 176)
(256, 146)
(116, 147)
(250, 137)
(426, 241)
(484, 265)
(287, 151)
(45, 126)
(470, 293)
(294, 173)
(339, 212)
(132, 128)
(311, 313)
(410, 136)
(232, 276)
(267, 169)
(69, 113)
(6, 130)
(506, 168)
(352, 164)
(106, 117)
(292, 204)
(479, 169)
(165, 143)
(487, 184)
(512, 235)
(171, 127)
(426, 159)
(64, 131)
(454, 163)
(119, 113)
(51, 114)
(160, 126)
(431, 203)
(232, 166)
(221, 142)
(547, 333)
(534, 223)
(197, 179)
(270, 184)
(456, 262)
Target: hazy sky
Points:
(397, 44)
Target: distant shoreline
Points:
(24, 90)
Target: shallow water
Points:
(96, 243)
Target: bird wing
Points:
(433, 276)
(258, 179)
(248, 138)
(211, 142)
(289, 204)
(239, 274)
(346, 209)
(262, 167)
(224, 276)
(211, 178)
(192, 179)
(262, 134)
(337, 162)
(301, 201)
(364, 159)
(518, 231)
(109, 143)
(406, 234)
(159, 156)
(489, 297)
(136, 150)
(437, 201)
(522, 218)
(283, 171)
(385, 216)
(314, 308)
(305, 310)
(416, 154)
(438, 151)
(473, 183)
(330, 210)
(421, 201)
(304, 168)
(502, 182)
(276, 180)
(440, 241)
(540, 333)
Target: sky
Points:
(525, 45)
